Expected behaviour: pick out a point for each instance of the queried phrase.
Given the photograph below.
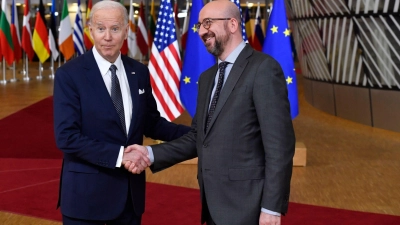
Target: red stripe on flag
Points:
(17, 47)
(41, 29)
(164, 80)
(156, 89)
(170, 69)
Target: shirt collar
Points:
(234, 54)
(103, 64)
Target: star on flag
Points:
(186, 80)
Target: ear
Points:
(126, 30)
(233, 25)
(90, 30)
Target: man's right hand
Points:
(136, 159)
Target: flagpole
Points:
(51, 76)
(40, 71)
(13, 79)
(25, 72)
(4, 81)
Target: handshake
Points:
(136, 159)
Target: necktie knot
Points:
(113, 69)
(222, 65)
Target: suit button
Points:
(205, 145)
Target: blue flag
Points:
(278, 45)
(196, 60)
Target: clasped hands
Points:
(136, 159)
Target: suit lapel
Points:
(97, 83)
(234, 75)
(133, 87)
(93, 74)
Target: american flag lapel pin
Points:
(133, 73)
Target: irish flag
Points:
(65, 41)
(7, 47)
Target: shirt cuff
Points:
(119, 159)
(270, 212)
(151, 155)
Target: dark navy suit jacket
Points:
(89, 133)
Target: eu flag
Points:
(278, 45)
(196, 60)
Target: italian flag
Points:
(7, 47)
(65, 40)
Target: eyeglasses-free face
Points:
(207, 22)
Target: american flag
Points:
(165, 64)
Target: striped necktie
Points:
(116, 96)
(214, 101)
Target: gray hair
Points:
(106, 4)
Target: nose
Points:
(202, 31)
(107, 34)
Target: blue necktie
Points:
(116, 96)
(214, 101)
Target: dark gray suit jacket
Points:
(246, 157)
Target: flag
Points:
(87, 39)
(247, 26)
(78, 31)
(15, 33)
(196, 61)
(277, 44)
(237, 2)
(7, 46)
(258, 37)
(165, 64)
(52, 32)
(152, 25)
(40, 36)
(141, 34)
(26, 33)
(177, 26)
(132, 44)
(185, 27)
(65, 40)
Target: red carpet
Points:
(29, 172)
(29, 133)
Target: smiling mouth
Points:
(208, 37)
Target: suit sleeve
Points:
(68, 126)
(273, 112)
(158, 127)
(176, 151)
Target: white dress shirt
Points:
(104, 67)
